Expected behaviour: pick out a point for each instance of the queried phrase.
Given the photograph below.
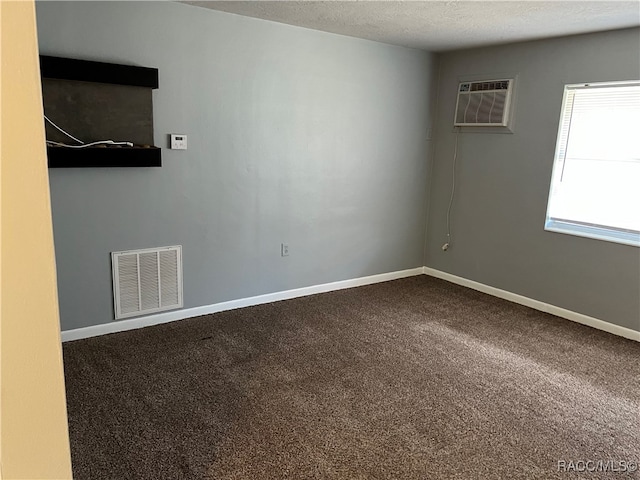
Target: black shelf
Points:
(62, 157)
(99, 72)
(75, 90)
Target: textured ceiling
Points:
(442, 25)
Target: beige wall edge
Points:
(33, 422)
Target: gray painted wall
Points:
(295, 135)
(503, 181)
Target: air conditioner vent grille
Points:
(146, 281)
(484, 86)
(483, 103)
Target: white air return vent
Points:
(146, 281)
(483, 104)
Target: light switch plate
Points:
(178, 141)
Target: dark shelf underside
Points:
(61, 157)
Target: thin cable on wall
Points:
(63, 131)
(92, 144)
(82, 144)
(446, 246)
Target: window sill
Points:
(595, 232)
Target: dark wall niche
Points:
(99, 101)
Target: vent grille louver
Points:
(483, 104)
(146, 281)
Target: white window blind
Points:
(595, 186)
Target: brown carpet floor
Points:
(410, 379)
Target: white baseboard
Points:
(537, 305)
(165, 317)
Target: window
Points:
(595, 185)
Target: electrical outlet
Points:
(178, 141)
(284, 249)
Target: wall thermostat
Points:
(178, 141)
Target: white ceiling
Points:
(442, 25)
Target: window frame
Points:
(574, 227)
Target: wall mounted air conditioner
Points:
(483, 104)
